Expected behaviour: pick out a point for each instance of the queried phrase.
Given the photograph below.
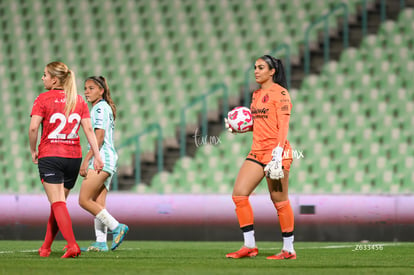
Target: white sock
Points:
(288, 244)
(107, 219)
(101, 231)
(249, 240)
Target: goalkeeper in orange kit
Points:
(270, 157)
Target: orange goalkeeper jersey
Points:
(270, 109)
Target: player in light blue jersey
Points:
(92, 196)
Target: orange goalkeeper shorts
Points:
(264, 157)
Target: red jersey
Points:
(59, 133)
(267, 107)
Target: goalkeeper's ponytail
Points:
(279, 76)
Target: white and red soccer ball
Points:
(240, 119)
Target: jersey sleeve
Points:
(100, 117)
(84, 113)
(38, 108)
(283, 110)
(283, 103)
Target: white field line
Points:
(18, 251)
(269, 248)
(343, 246)
(35, 250)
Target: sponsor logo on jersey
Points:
(260, 113)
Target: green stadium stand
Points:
(160, 55)
(370, 99)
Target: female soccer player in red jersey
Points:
(92, 196)
(60, 111)
(270, 157)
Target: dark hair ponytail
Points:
(101, 81)
(279, 76)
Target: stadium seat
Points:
(160, 55)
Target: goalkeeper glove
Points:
(274, 169)
(228, 126)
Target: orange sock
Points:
(286, 218)
(244, 211)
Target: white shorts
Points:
(110, 170)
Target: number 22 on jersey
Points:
(57, 133)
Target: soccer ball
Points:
(240, 119)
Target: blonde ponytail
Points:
(69, 85)
(67, 80)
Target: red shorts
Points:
(264, 157)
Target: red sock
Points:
(244, 210)
(51, 230)
(63, 221)
(286, 218)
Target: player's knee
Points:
(240, 192)
(277, 197)
(83, 201)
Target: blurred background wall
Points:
(176, 67)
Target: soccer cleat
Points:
(283, 255)
(243, 252)
(96, 247)
(119, 235)
(72, 251)
(44, 252)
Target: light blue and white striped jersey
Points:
(103, 118)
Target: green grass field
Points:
(152, 257)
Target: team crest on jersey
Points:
(265, 98)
